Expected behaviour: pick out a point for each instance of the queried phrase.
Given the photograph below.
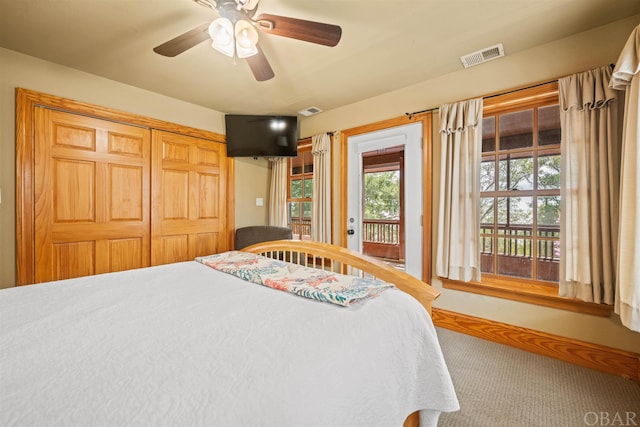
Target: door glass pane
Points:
(488, 134)
(515, 172)
(549, 171)
(549, 125)
(381, 193)
(516, 130)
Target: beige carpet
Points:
(500, 386)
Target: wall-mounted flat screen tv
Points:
(261, 136)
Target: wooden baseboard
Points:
(605, 359)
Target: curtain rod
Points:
(410, 115)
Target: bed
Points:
(186, 344)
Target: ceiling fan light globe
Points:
(246, 35)
(221, 32)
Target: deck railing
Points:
(300, 228)
(515, 251)
(381, 231)
(516, 241)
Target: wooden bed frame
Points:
(346, 261)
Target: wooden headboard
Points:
(345, 261)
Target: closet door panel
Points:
(127, 196)
(126, 254)
(92, 196)
(189, 197)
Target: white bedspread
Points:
(185, 345)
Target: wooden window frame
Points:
(514, 288)
(304, 146)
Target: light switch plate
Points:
(259, 201)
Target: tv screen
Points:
(261, 136)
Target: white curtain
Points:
(589, 186)
(626, 76)
(278, 192)
(321, 203)
(458, 251)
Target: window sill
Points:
(529, 293)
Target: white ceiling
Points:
(385, 45)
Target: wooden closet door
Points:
(189, 197)
(92, 196)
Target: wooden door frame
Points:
(26, 103)
(426, 120)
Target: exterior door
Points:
(409, 136)
(92, 196)
(189, 197)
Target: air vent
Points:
(310, 111)
(482, 56)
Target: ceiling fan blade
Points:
(184, 41)
(299, 29)
(260, 66)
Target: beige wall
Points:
(17, 70)
(252, 182)
(577, 53)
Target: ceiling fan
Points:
(235, 33)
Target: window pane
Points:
(516, 172)
(516, 130)
(549, 125)
(549, 260)
(306, 210)
(308, 188)
(488, 134)
(512, 264)
(486, 234)
(515, 215)
(488, 175)
(486, 215)
(296, 164)
(486, 262)
(549, 216)
(549, 171)
(308, 161)
(296, 188)
(294, 212)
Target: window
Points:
(520, 201)
(520, 192)
(300, 193)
